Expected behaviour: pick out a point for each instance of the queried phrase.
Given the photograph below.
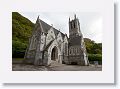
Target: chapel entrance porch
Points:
(54, 54)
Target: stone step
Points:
(55, 63)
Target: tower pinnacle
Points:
(69, 19)
(75, 16)
(38, 17)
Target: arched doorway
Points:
(54, 54)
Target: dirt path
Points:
(62, 67)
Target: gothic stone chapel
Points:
(48, 45)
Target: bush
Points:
(95, 57)
(18, 49)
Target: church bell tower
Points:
(77, 49)
(74, 27)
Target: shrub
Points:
(18, 49)
(95, 57)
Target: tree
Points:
(92, 47)
(21, 32)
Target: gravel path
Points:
(61, 67)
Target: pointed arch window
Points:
(71, 25)
(70, 51)
(74, 24)
(32, 41)
(66, 48)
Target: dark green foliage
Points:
(18, 49)
(94, 51)
(95, 57)
(21, 31)
(92, 47)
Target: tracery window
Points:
(71, 25)
(65, 48)
(70, 51)
(74, 24)
(33, 43)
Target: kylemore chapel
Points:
(48, 45)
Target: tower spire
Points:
(37, 19)
(75, 16)
(69, 19)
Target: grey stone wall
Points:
(77, 59)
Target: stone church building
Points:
(48, 45)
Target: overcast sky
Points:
(90, 23)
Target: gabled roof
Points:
(63, 35)
(47, 27)
(66, 36)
